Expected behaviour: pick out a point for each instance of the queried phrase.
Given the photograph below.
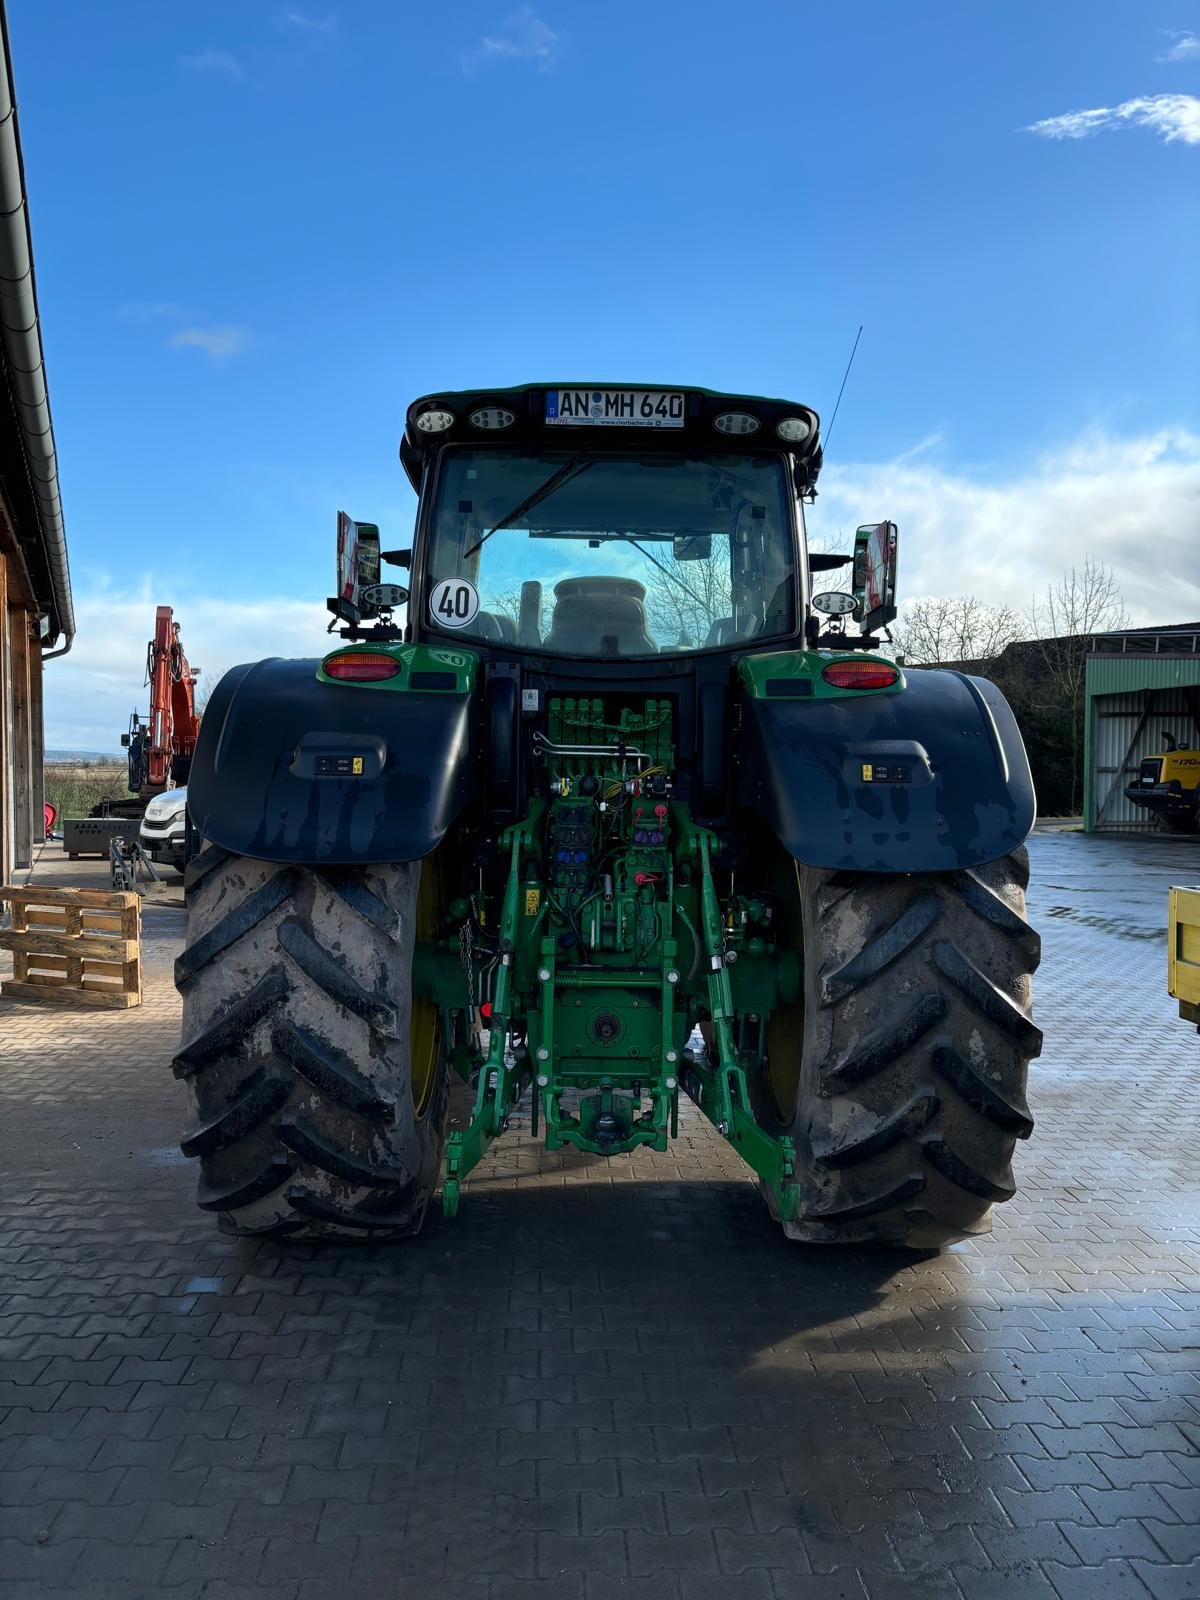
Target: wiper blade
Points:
(576, 465)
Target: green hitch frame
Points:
(606, 1123)
(500, 1087)
(721, 1091)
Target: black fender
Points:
(274, 773)
(927, 779)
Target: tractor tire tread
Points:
(234, 926)
(297, 1020)
(952, 1166)
(869, 1136)
(1006, 1111)
(888, 945)
(321, 1210)
(232, 1024)
(245, 1191)
(345, 882)
(201, 864)
(329, 974)
(330, 1070)
(304, 1140)
(885, 1045)
(918, 1034)
(259, 1096)
(847, 1209)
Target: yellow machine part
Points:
(1183, 767)
(1183, 952)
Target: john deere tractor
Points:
(632, 806)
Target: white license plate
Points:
(614, 408)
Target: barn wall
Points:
(20, 725)
(1131, 702)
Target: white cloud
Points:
(291, 18)
(1176, 117)
(218, 61)
(1131, 503)
(91, 691)
(1185, 48)
(219, 343)
(525, 37)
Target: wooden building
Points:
(37, 620)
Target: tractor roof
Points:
(608, 415)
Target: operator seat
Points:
(599, 617)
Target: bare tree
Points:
(1084, 602)
(684, 599)
(957, 629)
(1064, 621)
(205, 684)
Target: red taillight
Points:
(361, 666)
(860, 675)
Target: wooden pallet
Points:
(74, 947)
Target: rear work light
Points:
(361, 666)
(860, 675)
(435, 420)
(794, 430)
(735, 422)
(492, 417)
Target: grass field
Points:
(74, 789)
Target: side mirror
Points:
(875, 549)
(124, 741)
(358, 561)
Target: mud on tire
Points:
(913, 1044)
(298, 1043)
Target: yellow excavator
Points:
(1183, 953)
(1168, 785)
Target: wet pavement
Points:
(616, 1379)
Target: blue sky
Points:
(261, 229)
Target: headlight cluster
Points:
(437, 419)
(792, 430)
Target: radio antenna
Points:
(841, 391)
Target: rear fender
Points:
(925, 777)
(290, 766)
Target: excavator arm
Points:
(161, 749)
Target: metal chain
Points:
(466, 951)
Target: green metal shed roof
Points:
(1126, 674)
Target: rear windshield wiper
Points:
(573, 467)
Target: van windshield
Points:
(615, 554)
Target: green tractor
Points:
(626, 809)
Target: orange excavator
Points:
(160, 749)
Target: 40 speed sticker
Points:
(454, 603)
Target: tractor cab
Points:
(604, 524)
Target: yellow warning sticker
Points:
(533, 901)
(868, 772)
(356, 766)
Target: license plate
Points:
(614, 408)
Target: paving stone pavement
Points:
(616, 1379)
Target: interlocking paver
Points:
(615, 1379)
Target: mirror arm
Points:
(847, 641)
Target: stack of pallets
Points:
(74, 946)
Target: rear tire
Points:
(299, 1036)
(909, 1054)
